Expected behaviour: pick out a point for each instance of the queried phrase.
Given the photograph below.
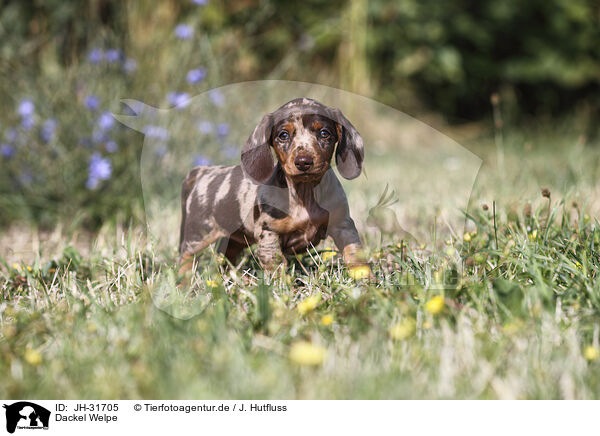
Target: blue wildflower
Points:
(106, 121)
(25, 178)
(7, 150)
(156, 132)
(230, 152)
(130, 65)
(92, 102)
(11, 134)
(184, 31)
(217, 97)
(48, 129)
(95, 56)
(99, 136)
(205, 127)
(196, 76)
(27, 123)
(111, 146)
(178, 99)
(112, 55)
(200, 2)
(161, 150)
(26, 108)
(201, 160)
(222, 130)
(85, 142)
(100, 169)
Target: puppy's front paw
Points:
(356, 261)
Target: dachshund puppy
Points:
(285, 205)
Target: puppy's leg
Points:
(269, 250)
(346, 238)
(190, 248)
(231, 249)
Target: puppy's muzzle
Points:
(304, 162)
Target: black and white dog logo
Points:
(26, 415)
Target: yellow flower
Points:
(308, 304)
(467, 237)
(359, 272)
(328, 255)
(33, 357)
(511, 327)
(29, 268)
(533, 235)
(435, 305)
(403, 330)
(591, 353)
(212, 283)
(579, 266)
(326, 319)
(16, 266)
(305, 353)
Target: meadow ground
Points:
(507, 309)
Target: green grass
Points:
(82, 321)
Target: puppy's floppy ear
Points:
(257, 160)
(350, 151)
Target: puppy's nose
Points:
(303, 162)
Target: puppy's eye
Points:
(324, 133)
(284, 136)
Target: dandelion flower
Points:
(435, 305)
(360, 272)
(33, 357)
(403, 330)
(326, 320)
(212, 283)
(328, 255)
(308, 304)
(591, 353)
(306, 354)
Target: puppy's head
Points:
(304, 135)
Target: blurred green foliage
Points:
(540, 58)
(450, 56)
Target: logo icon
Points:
(26, 415)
